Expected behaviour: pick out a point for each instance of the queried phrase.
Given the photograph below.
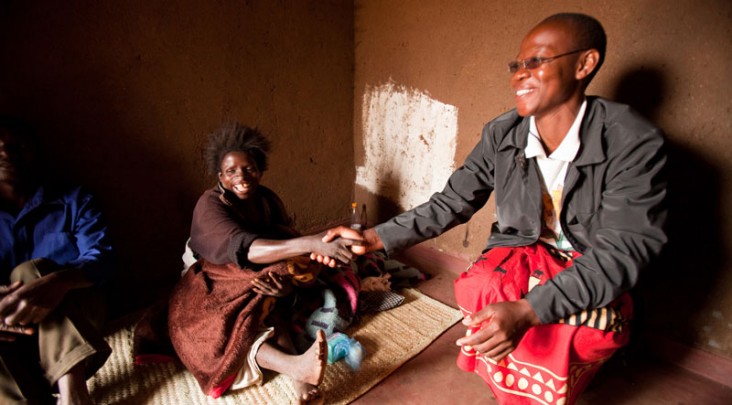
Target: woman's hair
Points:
(235, 137)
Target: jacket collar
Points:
(591, 134)
(591, 130)
(42, 196)
(518, 135)
(567, 149)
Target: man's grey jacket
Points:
(613, 209)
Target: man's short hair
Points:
(589, 34)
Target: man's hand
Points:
(341, 236)
(500, 328)
(26, 304)
(7, 289)
(9, 333)
(332, 250)
(367, 242)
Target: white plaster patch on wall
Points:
(409, 144)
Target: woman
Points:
(222, 315)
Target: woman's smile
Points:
(239, 174)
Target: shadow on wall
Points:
(389, 185)
(677, 288)
(148, 220)
(148, 214)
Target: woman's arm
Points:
(217, 234)
(268, 251)
(220, 238)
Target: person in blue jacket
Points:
(54, 257)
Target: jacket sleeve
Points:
(92, 240)
(467, 190)
(622, 237)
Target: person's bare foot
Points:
(308, 394)
(309, 371)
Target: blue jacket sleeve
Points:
(92, 240)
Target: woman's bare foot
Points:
(309, 371)
(308, 394)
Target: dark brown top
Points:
(224, 227)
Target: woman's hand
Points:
(366, 242)
(264, 251)
(272, 284)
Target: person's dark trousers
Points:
(31, 365)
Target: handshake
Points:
(356, 242)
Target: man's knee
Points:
(481, 275)
(32, 270)
(496, 276)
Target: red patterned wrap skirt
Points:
(553, 363)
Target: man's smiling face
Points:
(548, 87)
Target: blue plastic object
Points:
(341, 346)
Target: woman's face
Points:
(239, 174)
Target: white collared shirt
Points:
(553, 171)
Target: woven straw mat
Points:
(389, 338)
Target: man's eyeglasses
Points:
(536, 61)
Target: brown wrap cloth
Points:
(213, 318)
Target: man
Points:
(579, 194)
(54, 252)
